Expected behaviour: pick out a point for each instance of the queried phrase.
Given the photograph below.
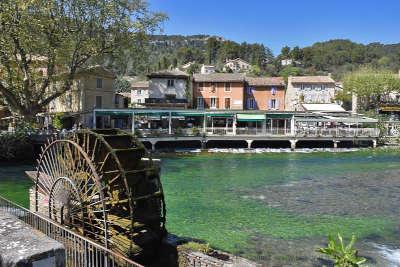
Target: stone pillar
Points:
(169, 124)
(133, 123)
(354, 103)
(293, 144)
(203, 144)
(292, 126)
(204, 123)
(234, 125)
(94, 119)
(249, 142)
(153, 145)
(335, 143)
(374, 143)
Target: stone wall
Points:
(21, 245)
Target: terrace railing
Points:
(338, 132)
(79, 251)
(275, 131)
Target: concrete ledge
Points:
(21, 245)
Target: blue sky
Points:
(278, 23)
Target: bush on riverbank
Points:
(17, 145)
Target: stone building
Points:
(92, 88)
(169, 88)
(309, 90)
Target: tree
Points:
(44, 43)
(212, 47)
(285, 51)
(371, 86)
(296, 54)
(290, 71)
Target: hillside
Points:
(333, 56)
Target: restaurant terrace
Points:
(155, 125)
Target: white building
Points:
(207, 69)
(168, 88)
(237, 65)
(139, 93)
(309, 90)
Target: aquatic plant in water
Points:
(342, 255)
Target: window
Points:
(126, 103)
(98, 103)
(227, 87)
(273, 90)
(99, 83)
(200, 103)
(201, 85)
(170, 83)
(212, 90)
(307, 87)
(139, 92)
(213, 102)
(318, 87)
(116, 101)
(251, 103)
(227, 103)
(273, 103)
(139, 100)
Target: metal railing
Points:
(79, 251)
(338, 132)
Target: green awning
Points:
(223, 115)
(250, 117)
(189, 114)
(279, 116)
(113, 112)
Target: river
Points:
(276, 208)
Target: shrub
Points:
(15, 146)
(342, 255)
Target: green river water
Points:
(276, 208)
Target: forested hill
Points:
(334, 56)
(176, 50)
(341, 56)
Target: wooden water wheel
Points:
(101, 184)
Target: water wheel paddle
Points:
(101, 184)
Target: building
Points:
(237, 65)
(91, 88)
(309, 90)
(186, 66)
(207, 69)
(265, 93)
(168, 88)
(139, 93)
(218, 91)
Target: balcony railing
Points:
(338, 132)
(252, 131)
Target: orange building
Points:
(219, 91)
(265, 93)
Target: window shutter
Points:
(269, 103)
(277, 104)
